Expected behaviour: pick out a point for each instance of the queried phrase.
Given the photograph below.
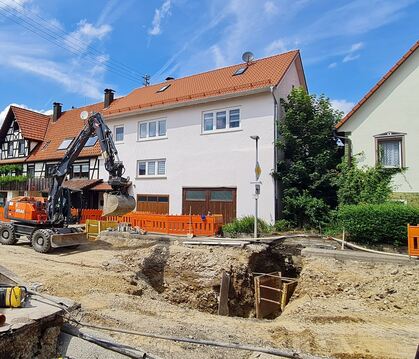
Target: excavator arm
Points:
(118, 201)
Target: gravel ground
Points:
(340, 309)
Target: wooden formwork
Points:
(94, 227)
(272, 293)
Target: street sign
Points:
(258, 170)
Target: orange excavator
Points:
(46, 221)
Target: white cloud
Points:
(85, 34)
(159, 15)
(218, 56)
(352, 53)
(275, 47)
(351, 57)
(6, 110)
(16, 4)
(271, 8)
(332, 65)
(342, 105)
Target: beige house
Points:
(384, 126)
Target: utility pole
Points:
(257, 185)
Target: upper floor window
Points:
(151, 129)
(21, 147)
(10, 149)
(30, 170)
(64, 145)
(221, 120)
(80, 170)
(119, 133)
(151, 168)
(389, 147)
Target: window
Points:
(221, 120)
(119, 133)
(195, 195)
(389, 147)
(221, 196)
(49, 168)
(151, 129)
(152, 168)
(64, 145)
(164, 88)
(10, 149)
(30, 170)
(240, 71)
(91, 141)
(21, 147)
(80, 170)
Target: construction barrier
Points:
(413, 240)
(162, 223)
(94, 227)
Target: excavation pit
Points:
(190, 275)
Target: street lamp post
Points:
(257, 185)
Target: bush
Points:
(245, 225)
(282, 225)
(378, 223)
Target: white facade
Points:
(195, 158)
(391, 114)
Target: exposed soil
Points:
(341, 309)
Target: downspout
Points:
(276, 119)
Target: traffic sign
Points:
(258, 170)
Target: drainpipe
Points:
(278, 204)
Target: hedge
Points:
(245, 225)
(378, 223)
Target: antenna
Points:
(146, 80)
(248, 57)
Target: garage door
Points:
(210, 200)
(153, 203)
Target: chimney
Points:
(109, 97)
(57, 110)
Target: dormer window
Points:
(164, 88)
(10, 149)
(21, 147)
(240, 71)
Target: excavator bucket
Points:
(117, 204)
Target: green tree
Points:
(310, 158)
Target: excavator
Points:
(46, 221)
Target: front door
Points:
(221, 200)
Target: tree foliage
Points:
(310, 158)
(11, 173)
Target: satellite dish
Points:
(84, 115)
(248, 57)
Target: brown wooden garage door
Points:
(214, 200)
(153, 203)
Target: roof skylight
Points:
(91, 141)
(64, 145)
(240, 71)
(164, 88)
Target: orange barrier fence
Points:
(413, 240)
(163, 223)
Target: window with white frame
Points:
(221, 120)
(119, 133)
(150, 168)
(389, 147)
(152, 129)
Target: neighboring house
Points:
(186, 142)
(384, 126)
(38, 142)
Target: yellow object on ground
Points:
(11, 297)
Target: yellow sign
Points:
(258, 170)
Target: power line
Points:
(52, 37)
(79, 43)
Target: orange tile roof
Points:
(261, 73)
(67, 126)
(32, 124)
(379, 84)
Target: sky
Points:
(70, 51)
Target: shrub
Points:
(245, 225)
(282, 225)
(378, 223)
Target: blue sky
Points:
(69, 51)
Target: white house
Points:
(384, 126)
(186, 142)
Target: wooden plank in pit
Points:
(268, 294)
(288, 292)
(224, 290)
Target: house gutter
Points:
(187, 103)
(276, 119)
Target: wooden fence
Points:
(162, 223)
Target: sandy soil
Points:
(342, 310)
